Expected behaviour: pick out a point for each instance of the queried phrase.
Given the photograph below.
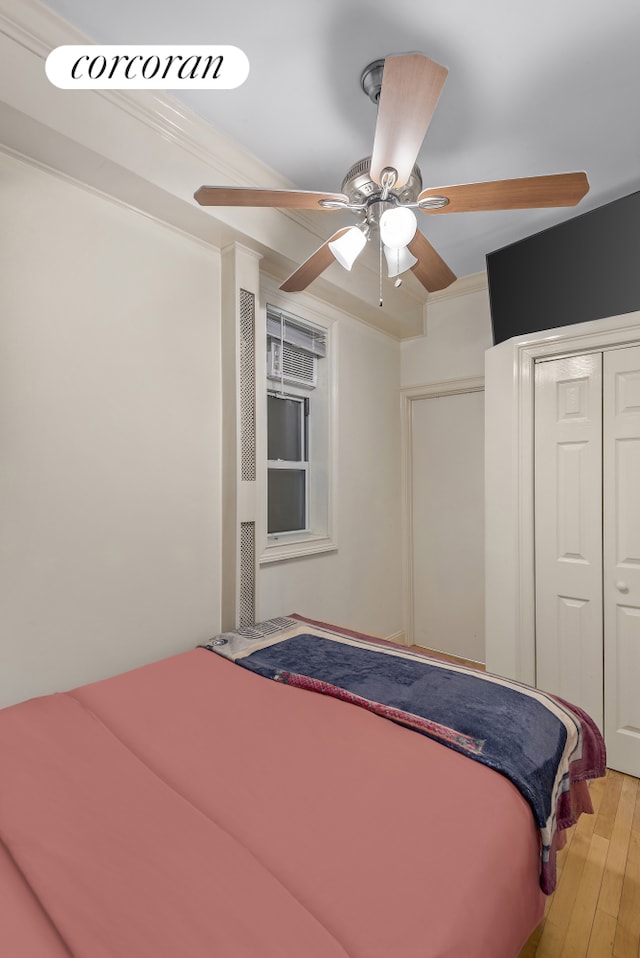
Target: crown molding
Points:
(39, 30)
(36, 26)
(472, 283)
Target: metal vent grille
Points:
(269, 627)
(298, 364)
(247, 386)
(289, 364)
(247, 610)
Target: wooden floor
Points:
(595, 909)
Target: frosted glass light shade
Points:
(398, 260)
(398, 226)
(347, 247)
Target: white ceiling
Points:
(533, 88)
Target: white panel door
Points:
(622, 557)
(568, 530)
(447, 451)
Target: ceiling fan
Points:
(384, 189)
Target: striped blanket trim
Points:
(433, 729)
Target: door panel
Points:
(621, 580)
(447, 452)
(568, 530)
(573, 624)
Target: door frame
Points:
(509, 481)
(449, 387)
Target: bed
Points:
(196, 807)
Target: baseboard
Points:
(400, 638)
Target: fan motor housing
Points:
(360, 187)
(371, 80)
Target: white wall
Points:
(110, 429)
(457, 333)
(360, 584)
(109, 436)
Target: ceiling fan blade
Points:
(311, 268)
(411, 85)
(560, 189)
(431, 269)
(282, 199)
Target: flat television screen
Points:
(583, 269)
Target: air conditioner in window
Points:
(290, 364)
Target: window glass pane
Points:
(284, 429)
(286, 500)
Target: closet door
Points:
(622, 557)
(568, 530)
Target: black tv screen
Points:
(583, 269)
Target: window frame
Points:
(293, 465)
(320, 536)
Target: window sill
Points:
(296, 548)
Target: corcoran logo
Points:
(166, 67)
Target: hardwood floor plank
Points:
(583, 912)
(596, 790)
(602, 937)
(570, 832)
(595, 871)
(530, 950)
(627, 940)
(551, 940)
(611, 890)
(607, 812)
(566, 891)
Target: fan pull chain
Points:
(380, 270)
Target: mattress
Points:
(194, 808)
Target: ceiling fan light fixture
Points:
(348, 247)
(384, 187)
(399, 260)
(398, 227)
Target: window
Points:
(288, 463)
(298, 467)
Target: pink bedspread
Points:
(190, 808)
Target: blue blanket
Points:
(531, 738)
